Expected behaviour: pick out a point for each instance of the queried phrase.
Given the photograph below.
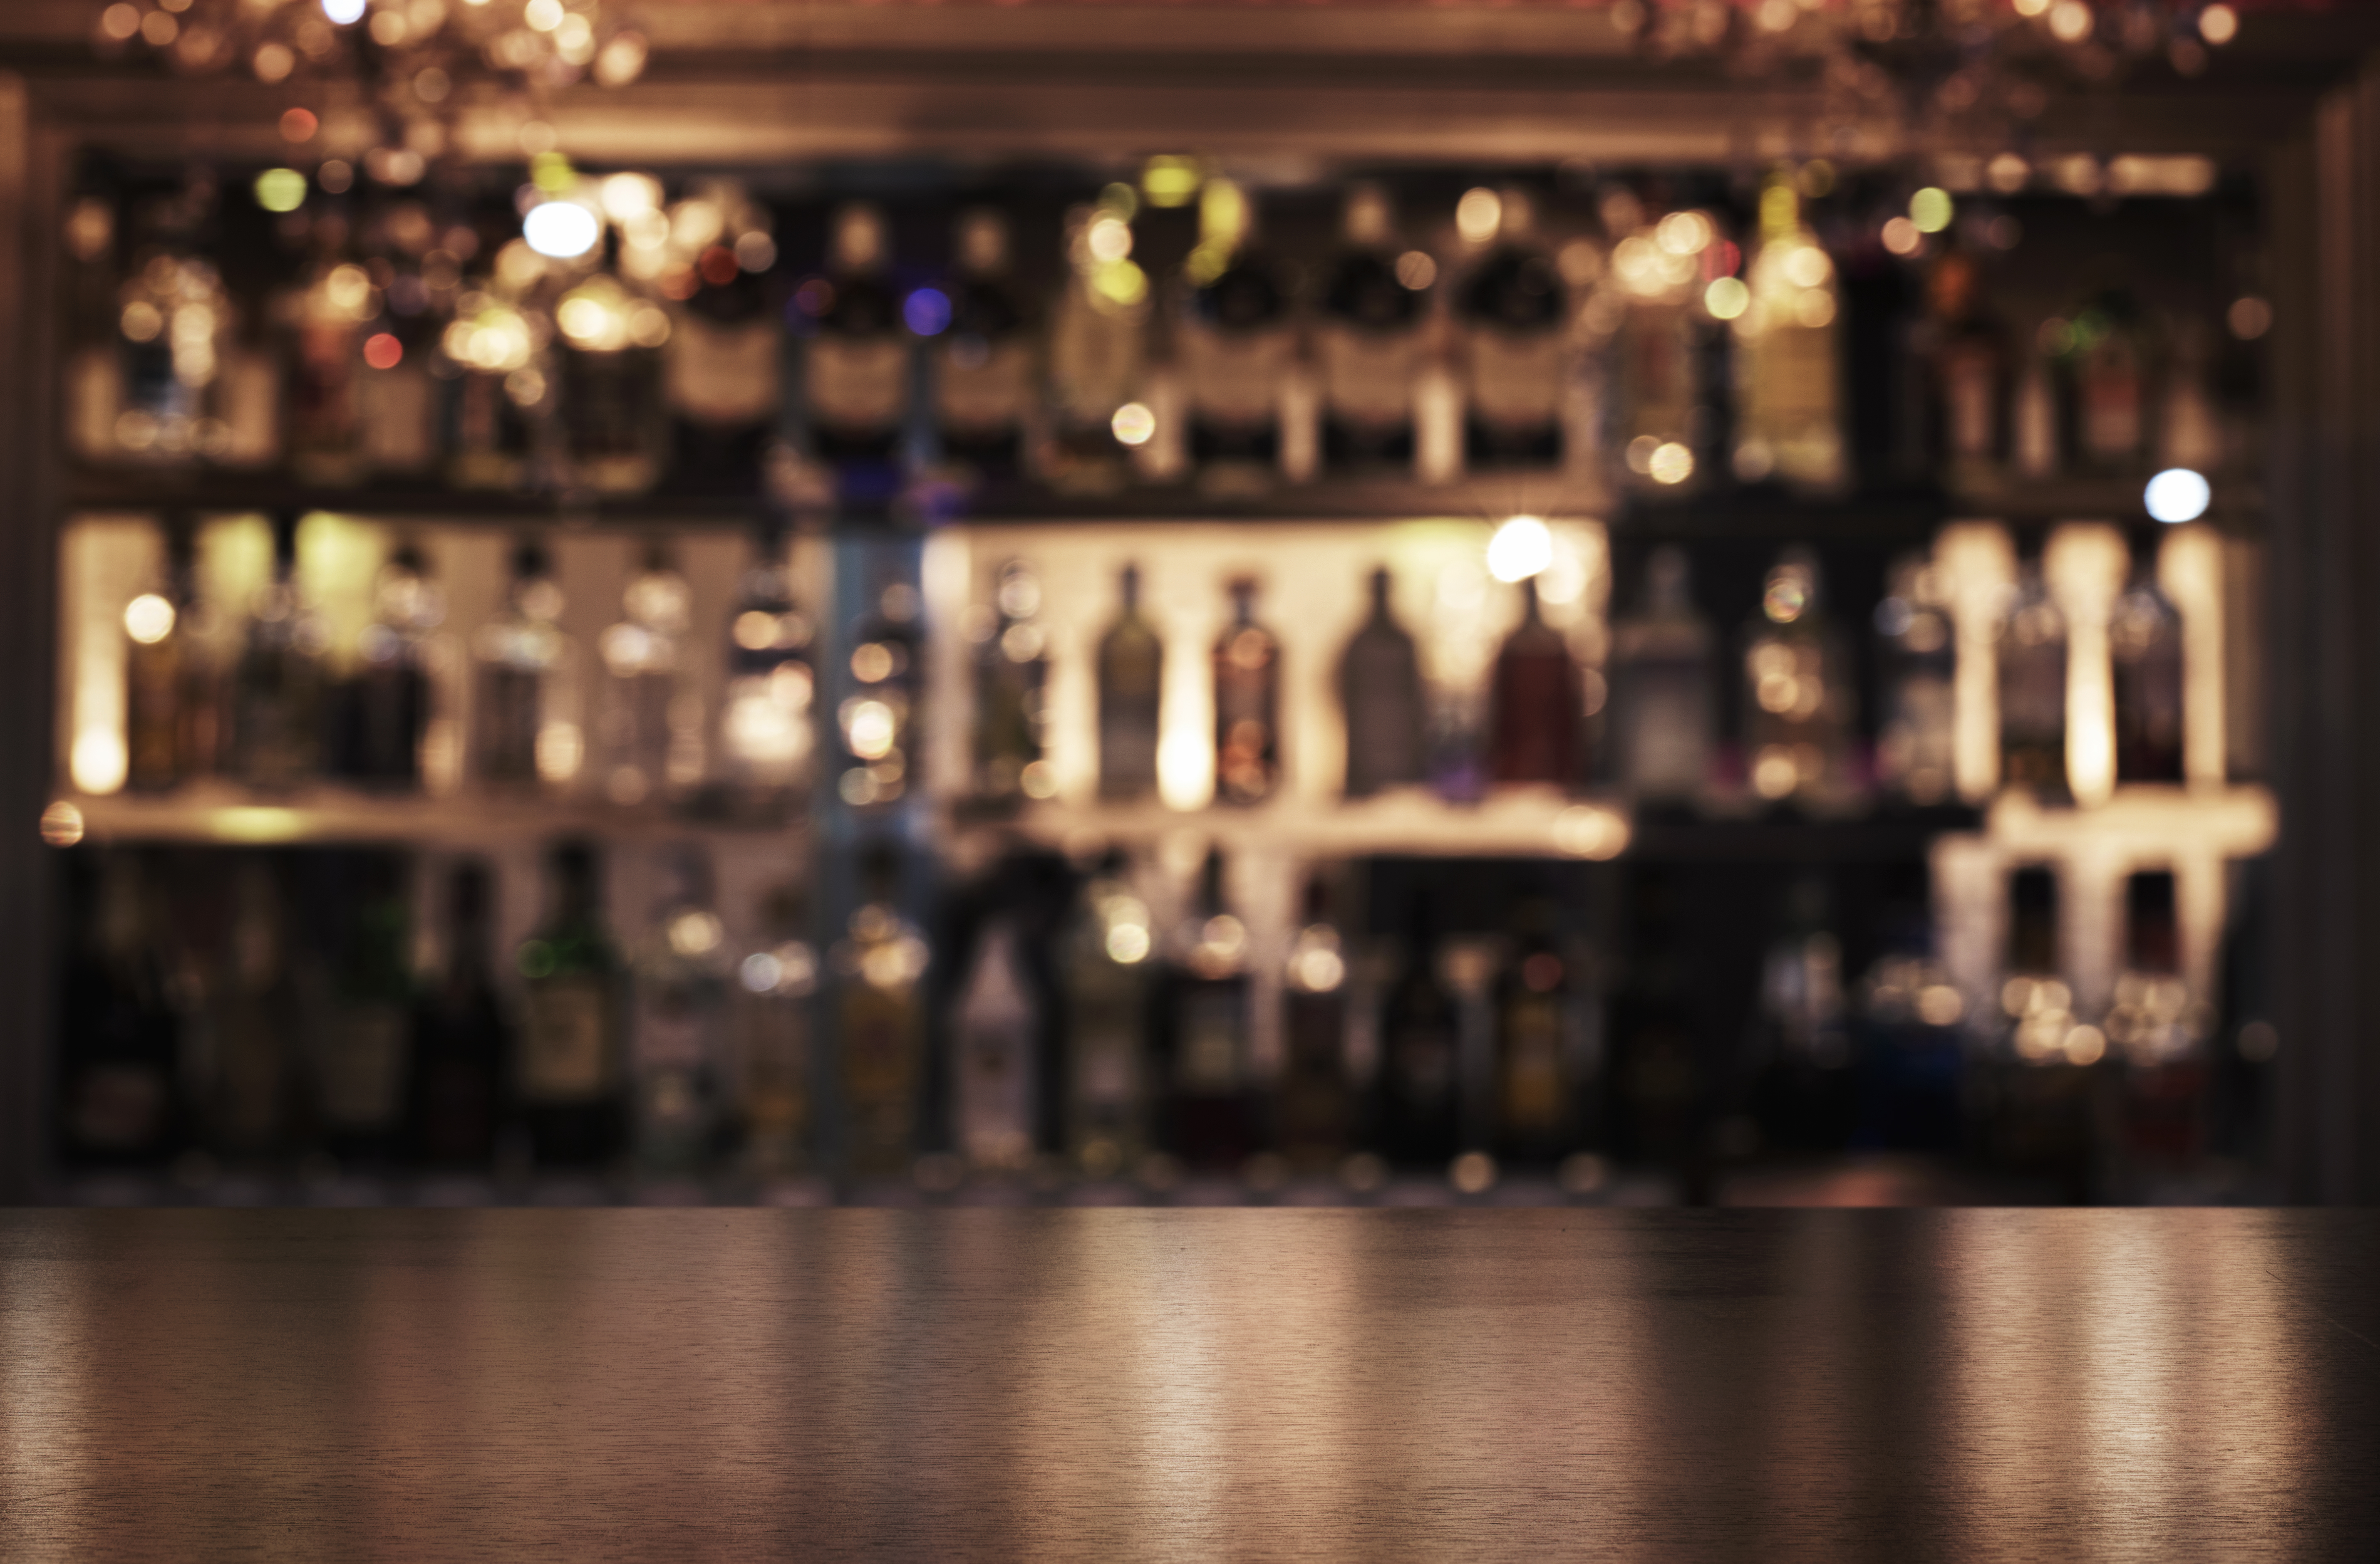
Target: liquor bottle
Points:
(1536, 712)
(499, 399)
(995, 1048)
(2144, 641)
(251, 1019)
(1665, 687)
(121, 1064)
(2032, 663)
(1097, 353)
(174, 323)
(360, 1062)
(1237, 342)
(771, 1030)
(1533, 998)
(325, 311)
(2038, 1003)
(170, 711)
(1968, 387)
(1369, 341)
(2036, 435)
(1107, 983)
(1919, 658)
(1248, 704)
(462, 1040)
(1514, 309)
(1012, 674)
(650, 733)
(856, 368)
(1314, 1108)
(983, 364)
(276, 686)
(723, 376)
(1416, 1113)
(397, 398)
(570, 1071)
(880, 720)
(881, 962)
(1209, 1113)
(1131, 671)
(681, 995)
(1657, 357)
(521, 733)
(1807, 1043)
(2190, 430)
(2106, 362)
(1789, 412)
(1380, 691)
(2152, 1019)
(94, 385)
(385, 708)
(614, 426)
(1797, 687)
(766, 736)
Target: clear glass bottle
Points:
(1248, 704)
(1131, 676)
(570, 1073)
(463, 1038)
(1537, 710)
(1237, 342)
(855, 368)
(170, 707)
(878, 721)
(1314, 1103)
(1665, 687)
(681, 997)
(324, 313)
(1919, 659)
(983, 364)
(1369, 340)
(2032, 668)
(2145, 642)
(1107, 981)
(608, 339)
(767, 733)
(771, 1030)
(1789, 412)
(995, 1053)
(1380, 694)
(1798, 695)
(386, 705)
(880, 963)
(1011, 675)
(523, 732)
(1514, 309)
(1098, 350)
(1207, 1073)
(650, 735)
(499, 395)
(277, 684)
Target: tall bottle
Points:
(385, 707)
(462, 1040)
(1131, 675)
(880, 720)
(277, 682)
(2038, 1002)
(325, 314)
(1415, 1115)
(723, 373)
(1238, 342)
(522, 729)
(174, 325)
(1797, 689)
(881, 962)
(771, 1037)
(1210, 1107)
(2032, 665)
(1248, 704)
(1533, 999)
(681, 995)
(361, 1060)
(1107, 981)
(614, 425)
(1098, 354)
(95, 353)
(1968, 379)
(2106, 361)
(121, 1062)
(1665, 687)
(649, 735)
(499, 400)
(1514, 311)
(170, 709)
(983, 364)
(1011, 676)
(1789, 419)
(856, 368)
(1536, 712)
(570, 1073)
(1369, 340)
(1660, 417)
(1919, 659)
(251, 1017)
(995, 1052)
(1313, 1106)
(1380, 694)
(2144, 641)
(767, 735)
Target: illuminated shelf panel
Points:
(329, 817)
(1531, 824)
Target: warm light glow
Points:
(1478, 214)
(2248, 318)
(2176, 494)
(345, 11)
(1520, 548)
(148, 619)
(2085, 1045)
(564, 230)
(1671, 463)
(2071, 20)
(2218, 24)
(1133, 424)
(280, 190)
(97, 763)
(257, 823)
(1683, 233)
(1901, 236)
(1416, 270)
(1585, 831)
(1726, 298)
(1474, 1172)
(869, 730)
(62, 824)
(1931, 209)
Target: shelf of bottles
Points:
(733, 689)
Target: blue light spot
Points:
(928, 311)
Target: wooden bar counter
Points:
(1139, 1384)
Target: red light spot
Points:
(382, 351)
(299, 124)
(719, 266)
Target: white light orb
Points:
(2177, 494)
(564, 230)
(1520, 548)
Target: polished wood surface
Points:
(1135, 1384)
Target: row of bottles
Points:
(1646, 347)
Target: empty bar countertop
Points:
(1055, 1384)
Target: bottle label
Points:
(1971, 410)
(2111, 406)
(982, 387)
(566, 1040)
(1212, 1021)
(1367, 376)
(1533, 1093)
(363, 1071)
(857, 383)
(1516, 381)
(1235, 377)
(718, 374)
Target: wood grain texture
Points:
(1128, 1383)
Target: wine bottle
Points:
(121, 1060)
(983, 364)
(170, 707)
(462, 1039)
(1665, 687)
(174, 325)
(881, 962)
(1248, 704)
(277, 682)
(723, 376)
(880, 720)
(1533, 998)
(94, 388)
(1131, 672)
(1098, 354)
(1107, 1012)
(498, 398)
(1788, 411)
(251, 1015)
(1513, 308)
(856, 368)
(1797, 689)
(650, 733)
(1968, 382)
(2031, 667)
(770, 1019)
(614, 425)
(385, 706)
(1536, 712)
(1237, 343)
(360, 1063)
(1209, 1115)
(995, 1045)
(681, 997)
(1416, 1112)
(325, 311)
(1380, 690)
(766, 718)
(1369, 340)
(1012, 674)
(1313, 1107)
(2144, 640)
(522, 734)
(2107, 359)
(570, 1072)
(1919, 658)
